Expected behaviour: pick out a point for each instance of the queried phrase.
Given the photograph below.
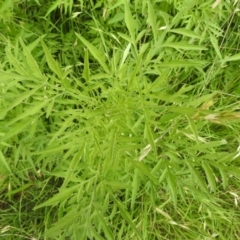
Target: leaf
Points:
(117, 18)
(188, 5)
(183, 63)
(171, 180)
(216, 3)
(34, 69)
(125, 54)
(198, 179)
(215, 45)
(126, 216)
(149, 136)
(72, 167)
(135, 186)
(159, 81)
(193, 128)
(63, 223)
(20, 189)
(183, 110)
(59, 197)
(55, 5)
(152, 19)
(129, 20)
(50, 107)
(235, 57)
(125, 37)
(210, 177)
(108, 233)
(94, 233)
(183, 45)
(15, 63)
(4, 162)
(53, 65)
(144, 170)
(6, 76)
(16, 129)
(185, 32)
(224, 178)
(86, 69)
(22, 97)
(28, 112)
(99, 56)
(62, 129)
(204, 98)
(117, 185)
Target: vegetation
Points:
(119, 119)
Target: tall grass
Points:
(119, 119)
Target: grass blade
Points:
(34, 69)
(183, 45)
(126, 216)
(53, 65)
(235, 57)
(152, 20)
(59, 197)
(99, 56)
(185, 32)
(210, 177)
(4, 162)
(129, 20)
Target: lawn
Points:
(119, 119)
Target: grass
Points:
(119, 119)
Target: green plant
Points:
(119, 120)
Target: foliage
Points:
(119, 119)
